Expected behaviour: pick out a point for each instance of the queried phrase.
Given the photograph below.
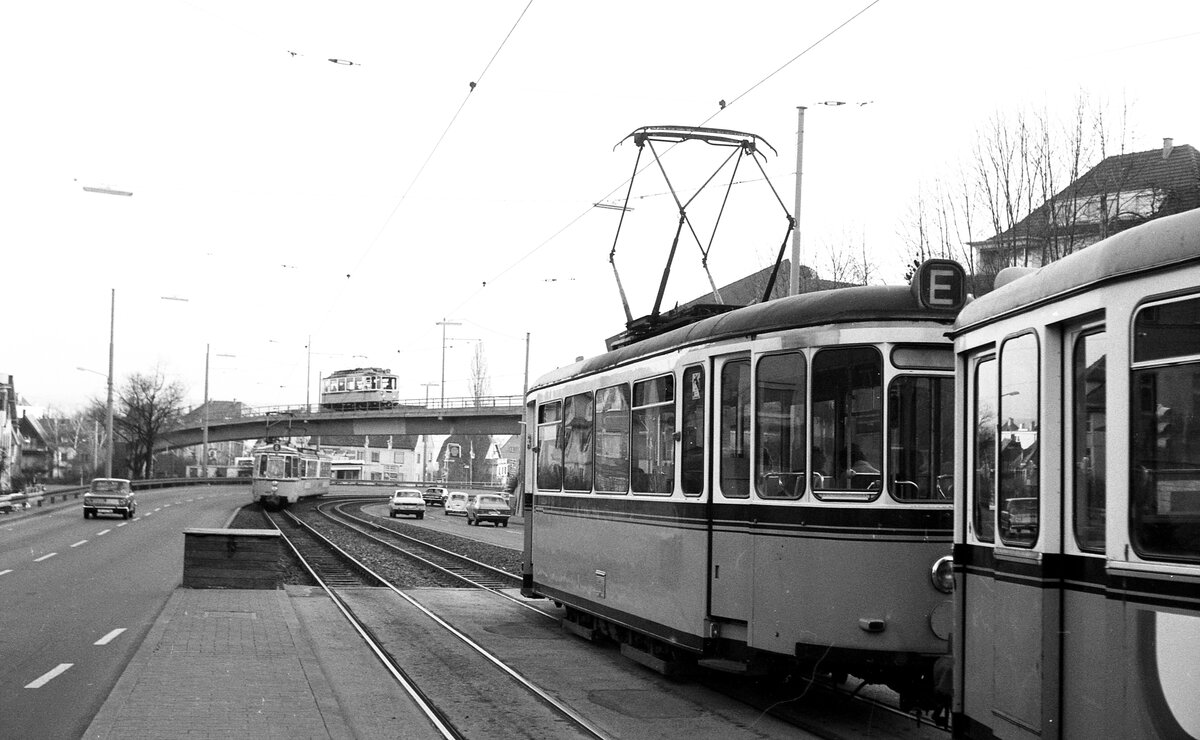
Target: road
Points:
(77, 598)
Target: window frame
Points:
(1002, 495)
(664, 445)
(800, 478)
(838, 466)
(1078, 426)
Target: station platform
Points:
(223, 663)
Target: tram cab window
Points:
(1089, 429)
(1019, 458)
(847, 423)
(577, 442)
(983, 449)
(921, 439)
(1165, 435)
(653, 440)
(612, 439)
(735, 429)
(691, 463)
(779, 414)
(550, 452)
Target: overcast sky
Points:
(279, 196)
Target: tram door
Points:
(731, 574)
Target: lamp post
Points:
(443, 323)
(204, 424)
(425, 439)
(109, 413)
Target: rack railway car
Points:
(760, 490)
(362, 388)
(1077, 537)
(284, 474)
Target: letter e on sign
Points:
(940, 285)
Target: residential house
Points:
(378, 457)
(10, 435)
(1122, 191)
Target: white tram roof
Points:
(868, 303)
(1159, 244)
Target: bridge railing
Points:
(434, 404)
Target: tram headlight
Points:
(942, 574)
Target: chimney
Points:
(1168, 145)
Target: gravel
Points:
(388, 564)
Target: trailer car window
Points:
(653, 441)
(1165, 434)
(691, 464)
(577, 444)
(1089, 429)
(983, 437)
(921, 439)
(549, 459)
(780, 416)
(1019, 453)
(735, 429)
(847, 423)
(612, 439)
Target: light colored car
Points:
(407, 501)
(488, 507)
(109, 496)
(456, 503)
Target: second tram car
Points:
(1077, 538)
(760, 489)
(284, 474)
(358, 389)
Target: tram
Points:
(284, 474)
(1077, 537)
(361, 388)
(760, 491)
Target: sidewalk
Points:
(222, 663)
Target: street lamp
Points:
(204, 427)
(108, 427)
(443, 323)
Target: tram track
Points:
(333, 568)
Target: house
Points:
(10, 436)
(381, 457)
(1122, 191)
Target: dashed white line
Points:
(122, 524)
(104, 532)
(81, 542)
(148, 513)
(109, 637)
(5, 572)
(45, 557)
(49, 676)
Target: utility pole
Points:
(794, 273)
(443, 323)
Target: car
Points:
(456, 503)
(435, 496)
(109, 496)
(407, 501)
(488, 507)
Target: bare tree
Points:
(149, 406)
(480, 387)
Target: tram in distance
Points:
(362, 388)
(1077, 537)
(284, 474)
(764, 490)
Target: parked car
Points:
(488, 507)
(435, 496)
(407, 501)
(456, 503)
(109, 496)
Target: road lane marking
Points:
(81, 542)
(165, 506)
(98, 534)
(49, 676)
(109, 637)
(122, 524)
(45, 557)
(5, 572)
(148, 513)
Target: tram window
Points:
(1019, 453)
(550, 453)
(847, 423)
(577, 443)
(779, 416)
(921, 441)
(612, 439)
(1165, 435)
(983, 437)
(1089, 427)
(653, 441)
(691, 463)
(735, 429)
